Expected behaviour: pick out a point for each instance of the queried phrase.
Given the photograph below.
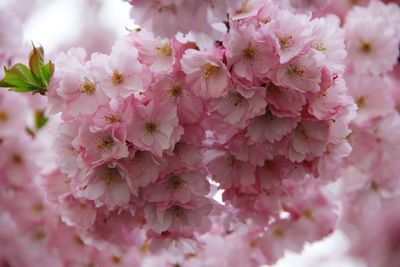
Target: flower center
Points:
(88, 87)
(244, 8)
(320, 47)
(117, 78)
(266, 20)
(150, 127)
(231, 160)
(236, 98)
(278, 232)
(295, 72)
(176, 182)
(300, 129)
(17, 159)
(112, 175)
(116, 260)
(209, 70)
(164, 49)
(250, 52)
(360, 102)
(38, 207)
(178, 211)
(39, 234)
(112, 118)
(366, 47)
(3, 116)
(175, 91)
(285, 41)
(106, 143)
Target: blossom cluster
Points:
(207, 137)
(148, 130)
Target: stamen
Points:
(175, 91)
(112, 118)
(88, 87)
(176, 182)
(164, 49)
(150, 127)
(117, 78)
(294, 72)
(320, 47)
(3, 116)
(17, 159)
(209, 70)
(366, 47)
(236, 98)
(106, 143)
(250, 51)
(112, 175)
(285, 41)
(231, 160)
(360, 102)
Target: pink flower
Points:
(244, 9)
(308, 140)
(78, 91)
(174, 89)
(77, 212)
(120, 74)
(249, 56)
(178, 187)
(13, 113)
(371, 102)
(154, 126)
(301, 73)
(227, 170)
(102, 145)
(373, 49)
(106, 185)
(291, 35)
(142, 168)
(68, 150)
(192, 215)
(284, 102)
(156, 53)
(206, 73)
(237, 108)
(18, 159)
(270, 128)
(328, 43)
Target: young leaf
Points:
(36, 61)
(34, 78)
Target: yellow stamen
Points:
(117, 78)
(106, 143)
(250, 52)
(366, 47)
(285, 41)
(3, 116)
(175, 91)
(320, 47)
(88, 87)
(209, 70)
(295, 72)
(164, 49)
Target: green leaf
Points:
(34, 78)
(36, 61)
(40, 119)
